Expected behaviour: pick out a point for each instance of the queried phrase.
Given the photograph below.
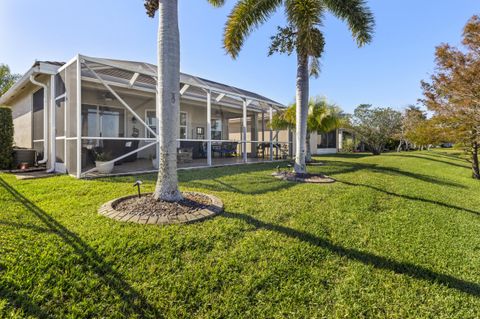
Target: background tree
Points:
(301, 35)
(412, 116)
(168, 95)
(376, 126)
(7, 79)
(6, 137)
(425, 133)
(453, 92)
(323, 117)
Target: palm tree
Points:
(168, 95)
(302, 35)
(323, 117)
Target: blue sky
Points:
(385, 73)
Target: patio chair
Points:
(225, 149)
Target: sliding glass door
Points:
(102, 121)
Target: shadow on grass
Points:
(413, 198)
(211, 179)
(338, 167)
(428, 157)
(134, 304)
(200, 173)
(345, 155)
(17, 300)
(33, 228)
(454, 156)
(252, 187)
(366, 258)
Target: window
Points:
(38, 101)
(90, 121)
(183, 125)
(112, 122)
(59, 85)
(328, 140)
(216, 129)
(38, 115)
(151, 122)
(102, 121)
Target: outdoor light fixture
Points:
(108, 97)
(138, 183)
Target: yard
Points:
(396, 237)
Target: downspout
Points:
(45, 118)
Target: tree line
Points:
(452, 98)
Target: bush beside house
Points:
(6, 137)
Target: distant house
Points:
(73, 113)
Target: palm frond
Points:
(315, 66)
(151, 6)
(304, 14)
(358, 16)
(244, 18)
(217, 3)
(323, 116)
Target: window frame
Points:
(180, 126)
(148, 133)
(216, 131)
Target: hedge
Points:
(6, 137)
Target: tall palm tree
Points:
(168, 95)
(323, 117)
(303, 36)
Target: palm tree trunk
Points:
(475, 167)
(302, 112)
(168, 100)
(308, 156)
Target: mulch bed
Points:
(304, 178)
(147, 205)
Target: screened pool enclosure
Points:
(105, 121)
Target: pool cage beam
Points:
(246, 101)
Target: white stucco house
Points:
(74, 113)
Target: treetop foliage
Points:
(7, 79)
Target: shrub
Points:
(348, 146)
(6, 137)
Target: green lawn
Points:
(398, 236)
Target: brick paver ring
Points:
(215, 208)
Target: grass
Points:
(396, 237)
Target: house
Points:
(96, 110)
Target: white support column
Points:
(263, 126)
(244, 131)
(290, 143)
(52, 123)
(209, 128)
(254, 133)
(270, 116)
(79, 116)
(339, 140)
